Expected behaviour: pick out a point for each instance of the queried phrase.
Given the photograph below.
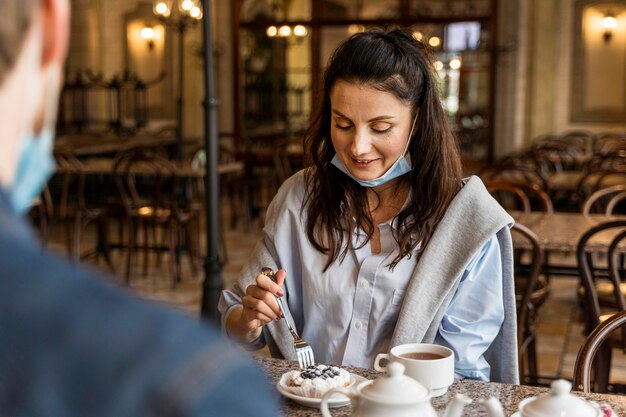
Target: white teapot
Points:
(559, 402)
(392, 395)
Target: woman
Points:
(381, 242)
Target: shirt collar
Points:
(393, 222)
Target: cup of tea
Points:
(431, 365)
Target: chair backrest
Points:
(517, 173)
(508, 194)
(604, 200)
(527, 286)
(608, 143)
(526, 196)
(159, 177)
(71, 197)
(588, 273)
(593, 342)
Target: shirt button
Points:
(358, 324)
(365, 284)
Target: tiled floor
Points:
(560, 333)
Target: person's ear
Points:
(55, 30)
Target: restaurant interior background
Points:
(511, 71)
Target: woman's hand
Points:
(259, 307)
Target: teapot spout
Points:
(455, 408)
(494, 409)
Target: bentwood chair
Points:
(594, 343)
(73, 211)
(149, 190)
(530, 294)
(597, 309)
(604, 200)
(519, 195)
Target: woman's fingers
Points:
(263, 297)
(280, 276)
(255, 309)
(255, 312)
(268, 284)
(259, 303)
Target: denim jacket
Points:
(73, 344)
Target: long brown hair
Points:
(395, 62)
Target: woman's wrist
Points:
(237, 328)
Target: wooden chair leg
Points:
(532, 361)
(130, 249)
(172, 254)
(102, 245)
(146, 248)
(602, 368)
(191, 239)
(76, 238)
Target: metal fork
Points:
(304, 353)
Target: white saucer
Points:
(333, 402)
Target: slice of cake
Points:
(314, 381)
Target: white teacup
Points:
(431, 365)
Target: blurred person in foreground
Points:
(382, 241)
(72, 344)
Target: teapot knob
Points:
(395, 369)
(561, 387)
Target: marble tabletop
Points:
(562, 231)
(509, 395)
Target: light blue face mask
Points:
(400, 167)
(34, 168)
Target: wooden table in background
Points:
(84, 145)
(562, 231)
(104, 166)
(565, 181)
(570, 180)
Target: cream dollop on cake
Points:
(314, 381)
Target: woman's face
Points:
(369, 128)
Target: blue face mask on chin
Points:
(35, 166)
(400, 167)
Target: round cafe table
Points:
(508, 395)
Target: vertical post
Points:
(212, 285)
(181, 88)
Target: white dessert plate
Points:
(335, 401)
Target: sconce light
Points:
(435, 41)
(148, 35)
(186, 8)
(608, 23)
(285, 31)
(455, 63)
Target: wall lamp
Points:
(609, 23)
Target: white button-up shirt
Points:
(348, 312)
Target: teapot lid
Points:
(560, 403)
(395, 387)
